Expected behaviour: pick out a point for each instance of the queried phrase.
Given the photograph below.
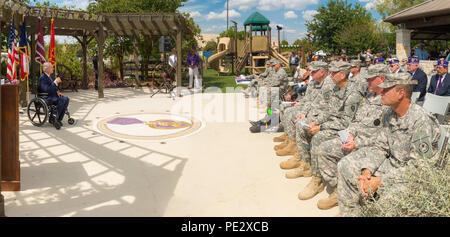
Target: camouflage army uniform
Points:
(256, 82)
(364, 126)
(312, 96)
(334, 115)
(277, 79)
(401, 142)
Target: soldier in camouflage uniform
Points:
(257, 81)
(409, 134)
(274, 83)
(335, 115)
(356, 77)
(312, 96)
(364, 126)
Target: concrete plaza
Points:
(220, 170)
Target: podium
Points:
(10, 138)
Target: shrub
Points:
(427, 195)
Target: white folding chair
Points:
(444, 140)
(414, 96)
(437, 105)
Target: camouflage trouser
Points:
(328, 155)
(289, 116)
(316, 141)
(303, 141)
(348, 169)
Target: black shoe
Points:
(255, 123)
(255, 129)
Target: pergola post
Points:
(84, 81)
(179, 59)
(403, 43)
(101, 41)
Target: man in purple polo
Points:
(192, 62)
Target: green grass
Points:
(212, 79)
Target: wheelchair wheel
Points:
(71, 121)
(37, 111)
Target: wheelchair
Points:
(39, 110)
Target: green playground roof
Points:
(258, 28)
(256, 18)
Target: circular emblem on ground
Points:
(147, 126)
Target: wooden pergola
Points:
(86, 26)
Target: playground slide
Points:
(218, 56)
(274, 53)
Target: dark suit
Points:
(421, 87)
(444, 90)
(46, 85)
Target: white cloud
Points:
(290, 15)
(195, 14)
(365, 0)
(270, 5)
(372, 4)
(80, 4)
(309, 14)
(223, 15)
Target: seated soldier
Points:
(263, 124)
(409, 133)
(47, 85)
(362, 129)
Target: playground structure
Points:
(252, 52)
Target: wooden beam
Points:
(133, 27)
(154, 25)
(147, 27)
(179, 59)
(427, 22)
(101, 41)
(126, 29)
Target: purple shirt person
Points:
(193, 60)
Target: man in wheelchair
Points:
(50, 87)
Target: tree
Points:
(230, 33)
(211, 46)
(358, 38)
(118, 47)
(284, 42)
(334, 17)
(388, 7)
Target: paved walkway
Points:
(221, 170)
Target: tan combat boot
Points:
(282, 145)
(291, 163)
(312, 189)
(329, 202)
(281, 138)
(304, 170)
(289, 150)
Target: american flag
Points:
(40, 46)
(13, 55)
(24, 53)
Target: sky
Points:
(211, 15)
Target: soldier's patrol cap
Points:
(276, 61)
(442, 62)
(378, 60)
(413, 59)
(355, 63)
(340, 66)
(376, 70)
(317, 65)
(393, 79)
(269, 62)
